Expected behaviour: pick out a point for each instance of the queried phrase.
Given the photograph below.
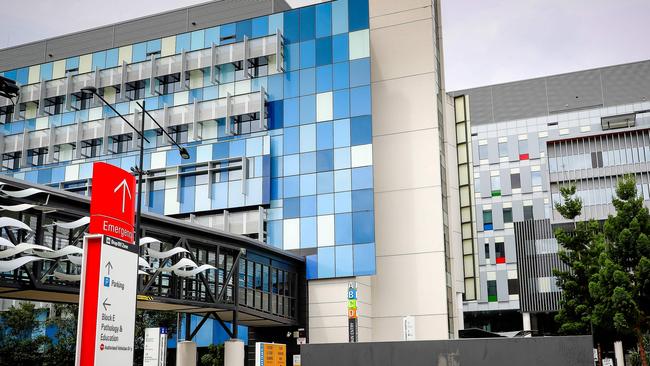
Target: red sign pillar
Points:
(107, 294)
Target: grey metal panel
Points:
(475, 155)
(511, 251)
(493, 150)
(155, 26)
(280, 5)
(574, 91)
(483, 287)
(506, 189)
(225, 11)
(479, 216)
(480, 105)
(513, 148)
(524, 174)
(23, 55)
(497, 216)
(485, 184)
(80, 43)
(533, 146)
(517, 210)
(519, 100)
(626, 83)
(502, 285)
(538, 208)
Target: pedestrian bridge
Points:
(184, 267)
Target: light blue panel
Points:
(211, 36)
(342, 180)
(112, 57)
(254, 146)
(343, 227)
(127, 162)
(363, 227)
(307, 206)
(344, 261)
(325, 204)
(308, 163)
(291, 84)
(235, 196)
(323, 20)
(237, 148)
(277, 166)
(308, 232)
(339, 16)
(340, 76)
(291, 140)
(308, 109)
(183, 42)
(307, 184)
(154, 45)
(359, 72)
(340, 48)
(219, 195)
(326, 262)
(98, 60)
(277, 145)
(274, 229)
(342, 158)
(307, 54)
(291, 186)
(139, 52)
(325, 182)
(276, 22)
(86, 171)
(292, 56)
(46, 71)
(291, 113)
(254, 193)
(362, 178)
(364, 259)
(307, 81)
(342, 202)
(323, 78)
(58, 174)
(360, 101)
(291, 164)
(260, 27)
(71, 63)
(307, 138)
(187, 199)
(324, 136)
(200, 202)
(197, 40)
(311, 264)
(342, 133)
(275, 89)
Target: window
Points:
(6, 113)
(120, 143)
(53, 105)
(64, 152)
(91, 148)
(82, 100)
(487, 220)
(495, 182)
(513, 286)
(528, 212)
(135, 90)
(500, 252)
(169, 83)
(492, 290)
(11, 160)
(515, 181)
(507, 215)
(483, 152)
(179, 133)
(523, 149)
(503, 149)
(597, 159)
(37, 156)
(536, 178)
(487, 250)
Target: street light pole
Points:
(139, 170)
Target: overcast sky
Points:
(485, 41)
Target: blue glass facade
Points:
(311, 168)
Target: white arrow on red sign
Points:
(125, 190)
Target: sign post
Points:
(155, 347)
(353, 320)
(109, 273)
(270, 354)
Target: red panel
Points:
(90, 300)
(523, 156)
(112, 203)
(501, 260)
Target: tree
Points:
(150, 319)
(214, 356)
(621, 287)
(20, 341)
(580, 249)
(64, 322)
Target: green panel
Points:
(492, 298)
(496, 193)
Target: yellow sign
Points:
(352, 304)
(270, 354)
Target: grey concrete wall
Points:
(542, 351)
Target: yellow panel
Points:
(34, 74)
(41, 123)
(196, 79)
(125, 54)
(168, 46)
(109, 94)
(85, 63)
(58, 69)
(30, 111)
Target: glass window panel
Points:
(326, 262)
(363, 227)
(536, 178)
(340, 17)
(308, 163)
(323, 20)
(360, 101)
(323, 51)
(360, 72)
(343, 202)
(307, 23)
(341, 72)
(343, 227)
(325, 204)
(307, 54)
(341, 103)
(515, 180)
(483, 152)
(507, 215)
(308, 232)
(359, 43)
(323, 78)
(344, 261)
(503, 149)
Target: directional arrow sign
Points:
(105, 304)
(108, 215)
(125, 191)
(109, 266)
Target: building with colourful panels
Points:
(319, 130)
(518, 144)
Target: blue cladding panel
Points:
(318, 110)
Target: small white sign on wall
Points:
(408, 328)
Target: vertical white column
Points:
(186, 354)
(526, 319)
(234, 353)
(618, 351)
